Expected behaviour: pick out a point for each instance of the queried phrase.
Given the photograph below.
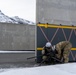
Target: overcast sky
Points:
(25, 9)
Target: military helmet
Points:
(48, 44)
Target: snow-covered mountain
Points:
(20, 20)
(15, 19)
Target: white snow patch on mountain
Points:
(21, 21)
(6, 19)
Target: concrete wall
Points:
(17, 37)
(16, 57)
(56, 11)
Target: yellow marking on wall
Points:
(42, 49)
(73, 48)
(56, 26)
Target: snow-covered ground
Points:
(59, 69)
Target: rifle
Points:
(38, 56)
(31, 57)
(52, 56)
(34, 57)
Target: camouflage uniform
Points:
(66, 47)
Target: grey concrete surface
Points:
(30, 63)
(56, 11)
(17, 36)
(14, 37)
(16, 57)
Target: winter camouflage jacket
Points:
(64, 46)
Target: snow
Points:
(22, 21)
(6, 19)
(59, 69)
(17, 51)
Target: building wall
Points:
(17, 37)
(56, 11)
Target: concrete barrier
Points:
(16, 57)
(56, 11)
(15, 41)
(17, 36)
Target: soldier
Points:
(63, 48)
(60, 51)
(47, 53)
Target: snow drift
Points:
(62, 69)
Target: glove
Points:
(53, 48)
(43, 52)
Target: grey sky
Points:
(23, 8)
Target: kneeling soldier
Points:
(63, 49)
(47, 53)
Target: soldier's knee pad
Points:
(44, 57)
